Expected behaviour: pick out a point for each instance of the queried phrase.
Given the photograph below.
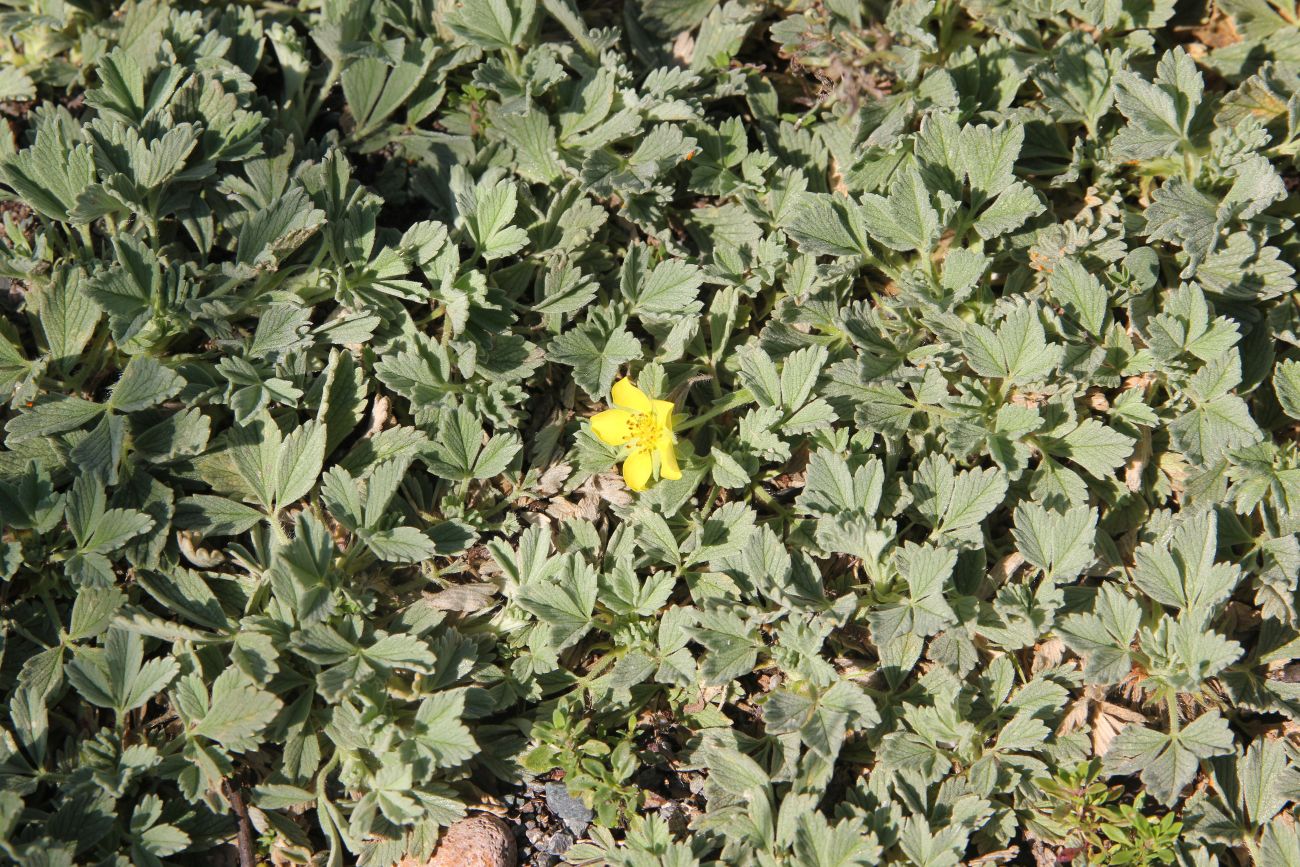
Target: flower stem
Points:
(737, 399)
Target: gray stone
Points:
(568, 809)
(558, 844)
(675, 816)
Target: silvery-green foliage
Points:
(990, 314)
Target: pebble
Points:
(558, 844)
(576, 815)
(478, 841)
(675, 816)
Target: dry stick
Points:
(247, 854)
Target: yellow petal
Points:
(663, 410)
(628, 396)
(636, 469)
(613, 426)
(668, 460)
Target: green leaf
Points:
(343, 398)
(955, 503)
(671, 288)
(1180, 571)
(1184, 326)
(564, 605)
(16, 85)
(279, 796)
(974, 494)
(237, 712)
(53, 415)
(68, 316)
(1017, 352)
(375, 88)
(400, 651)
(421, 374)
(441, 734)
(1059, 544)
(1182, 654)
(906, 220)
(1009, 211)
(489, 213)
(732, 645)
(1103, 636)
(822, 719)
(1218, 421)
(460, 451)
(1286, 384)
(400, 545)
(93, 611)
(1160, 114)
(1096, 448)
(595, 350)
(272, 234)
(215, 516)
(493, 24)
(535, 144)
(55, 171)
(144, 383)
(1081, 293)
(280, 328)
(924, 611)
(1168, 762)
(831, 489)
(1078, 81)
(301, 458)
(1279, 846)
(828, 225)
(735, 773)
(116, 675)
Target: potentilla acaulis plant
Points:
(691, 432)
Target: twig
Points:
(247, 854)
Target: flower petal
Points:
(613, 426)
(663, 410)
(628, 396)
(636, 469)
(668, 468)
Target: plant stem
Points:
(737, 399)
(247, 850)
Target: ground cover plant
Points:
(827, 432)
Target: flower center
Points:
(645, 430)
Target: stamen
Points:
(645, 430)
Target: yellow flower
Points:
(645, 426)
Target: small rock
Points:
(673, 814)
(558, 844)
(574, 814)
(477, 841)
